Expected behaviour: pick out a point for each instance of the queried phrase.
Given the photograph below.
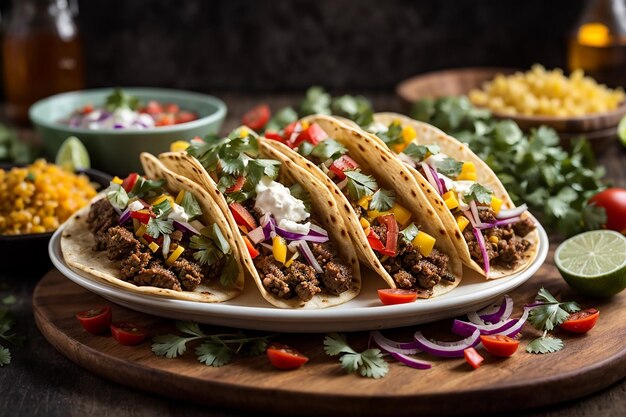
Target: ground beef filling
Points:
(505, 246)
(411, 270)
(138, 264)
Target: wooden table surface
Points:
(42, 382)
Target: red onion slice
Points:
(514, 212)
(407, 160)
(388, 345)
(258, 235)
(185, 227)
(474, 210)
(411, 362)
(447, 349)
(499, 223)
(429, 175)
(437, 179)
(504, 312)
(465, 329)
(483, 250)
(297, 236)
(317, 230)
(308, 255)
(125, 216)
(514, 330)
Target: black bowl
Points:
(29, 252)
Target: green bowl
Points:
(117, 151)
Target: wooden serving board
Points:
(587, 363)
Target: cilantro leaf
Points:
(301, 194)
(117, 196)
(544, 295)
(189, 327)
(147, 188)
(190, 205)
(158, 226)
(5, 356)
(162, 208)
(336, 343)
(383, 200)
(258, 168)
(254, 347)
(369, 363)
(170, 345)
(374, 366)
(351, 362)
(356, 108)
(328, 148)
(545, 344)
(418, 152)
(229, 271)
(119, 99)
(410, 232)
(281, 119)
(316, 101)
(392, 136)
(550, 313)
(9, 299)
(449, 167)
(217, 237)
(594, 217)
(360, 185)
(305, 148)
(213, 353)
(479, 193)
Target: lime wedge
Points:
(594, 263)
(72, 155)
(621, 130)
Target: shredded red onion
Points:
(483, 250)
(499, 223)
(514, 212)
(469, 216)
(258, 235)
(437, 179)
(411, 362)
(297, 236)
(429, 175)
(125, 216)
(503, 313)
(308, 255)
(407, 160)
(317, 230)
(185, 227)
(474, 210)
(447, 349)
(465, 329)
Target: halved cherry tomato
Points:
(172, 108)
(251, 249)
(341, 164)
(581, 321)
(96, 320)
(142, 216)
(242, 216)
(88, 108)
(390, 296)
(499, 345)
(153, 107)
(129, 182)
(613, 200)
(391, 244)
(184, 117)
(164, 120)
(257, 117)
(274, 136)
(237, 186)
(314, 134)
(374, 241)
(472, 357)
(127, 333)
(284, 357)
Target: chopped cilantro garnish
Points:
(163, 208)
(119, 98)
(369, 363)
(212, 246)
(146, 188)
(305, 148)
(393, 134)
(383, 200)
(300, 193)
(117, 196)
(328, 148)
(281, 119)
(158, 227)
(191, 206)
(360, 185)
(418, 152)
(316, 101)
(449, 167)
(479, 193)
(410, 232)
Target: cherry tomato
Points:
(184, 117)
(292, 129)
(284, 357)
(390, 296)
(129, 182)
(153, 107)
(314, 134)
(237, 186)
(251, 249)
(391, 244)
(499, 345)
(242, 216)
(472, 357)
(96, 320)
(274, 136)
(127, 333)
(164, 120)
(613, 200)
(341, 164)
(172, 108)
(581, 321)
(257, 117)
(87, 109)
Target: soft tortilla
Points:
(77, 244)
(324, 210)
(430, 135)
(390, 174)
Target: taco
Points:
(492, 236)
(396, 232)
(158, 234)
(286, 219)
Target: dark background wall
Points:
(286, 45)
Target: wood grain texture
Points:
(587, 364)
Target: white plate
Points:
(251, 311)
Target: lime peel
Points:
(72, 155)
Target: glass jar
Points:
(42, 53)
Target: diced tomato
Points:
(473, 358)
(284, 357)
(293, 128)
(375, 242)
(197, 139)
(127, 333)
(142, 216)
(257, 117)
(237, 186)
(499, 345)
(88, 108)
(313, 134)
(129, 182)
(391, 244)
(172, 108)
(251, 249)
(184, 117)
(164, 120)
(96, 320)
(274, 136)
(390, 296)
(581, 321)
(341, 164)
(153, 107)
(242, 216)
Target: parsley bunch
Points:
(548, 313)
(369, 363)
(555, 183)
(215, 349)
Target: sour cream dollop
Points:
(274, 198)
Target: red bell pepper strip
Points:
(391, 245)
(374, 241)
(251, 249)
(129, 182)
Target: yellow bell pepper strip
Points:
(364, 202)
(243, 132)
(290, 260)
(179, 146)
(403, 216)
(468, 172)
(408, 134)
(424, 243)
(153, 246)
(279, 249)
(462, 222)
(117, 180)
(251, 249)
(158, 200)
(496, 204)
(374, 214)
(174, 256)
(180, 196)
(364, 223)
(450, 199)
(141, 231)
(391, 244)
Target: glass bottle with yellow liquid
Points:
(598, 44)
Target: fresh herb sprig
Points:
(119, 99)
(359, 184)
(7, 337)
(215, 350)
(369, 363)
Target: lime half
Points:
(594, 263)
(621, 130)
(72, 155)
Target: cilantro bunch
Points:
(555, 183)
